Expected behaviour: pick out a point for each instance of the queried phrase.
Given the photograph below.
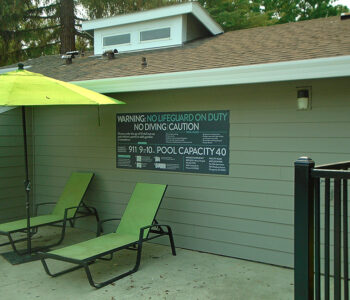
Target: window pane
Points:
(155, 34)
(116, 39)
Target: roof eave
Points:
(271, 72)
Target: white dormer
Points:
(156, 28)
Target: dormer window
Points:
(116, 39)
(162, 27)
(155, 34)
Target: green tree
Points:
(10, 12)
(29, 28)
(107, 8)
(239, 14)
(231, 15)
(24, 31)
(299, 10)
(314, 9)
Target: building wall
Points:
(12, 172)
(247, 214)
(193, 28)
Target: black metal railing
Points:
(315, 189)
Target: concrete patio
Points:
(189, 275)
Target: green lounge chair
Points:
(137, 222)
(68, 208)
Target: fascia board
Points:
(5, 70)
(202, 15)
(138, 17)
(271, 72)
(4, 109)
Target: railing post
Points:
(303, 229)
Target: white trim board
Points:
(5, 70)
(163, 12)
(6, 108)
(271, 72)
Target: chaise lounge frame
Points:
(82, 210)
(157, 230)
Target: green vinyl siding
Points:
(12, 172)
(246, 214)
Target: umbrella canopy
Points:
(24, 88)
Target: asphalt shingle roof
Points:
(319, 38)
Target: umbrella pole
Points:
(26, 182)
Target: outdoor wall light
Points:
(304, 98)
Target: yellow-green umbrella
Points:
(24, 88)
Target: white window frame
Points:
(110, 35)
(155, 40)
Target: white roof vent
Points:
(162, 27)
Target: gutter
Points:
(318, 68)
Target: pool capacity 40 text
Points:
(182, 150)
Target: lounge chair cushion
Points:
(142, 207)
(96, 246)
(71, 196)
(34, 221)
(141, 210)
(73, 193)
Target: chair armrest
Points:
(66, 211)
(43, 203)
(89, 209)
(99, 226)
(154, 225)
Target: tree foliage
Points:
(30, 28)
(234, 15)
(107, 8)
(26, 30)
(230, 14)
(299, 10)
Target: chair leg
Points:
(61, 272)
(71, 223)
(12, 243)
(99, 230)
(63, 232)
(171, 239)
(104, 283)
(8, 243)
(96, 215)
(22, 252)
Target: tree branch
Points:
(79, 19)
(29, 49)
(84, 35)
(37, 29)
(55, 16)
(42, 8)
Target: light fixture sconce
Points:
(304, 98)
